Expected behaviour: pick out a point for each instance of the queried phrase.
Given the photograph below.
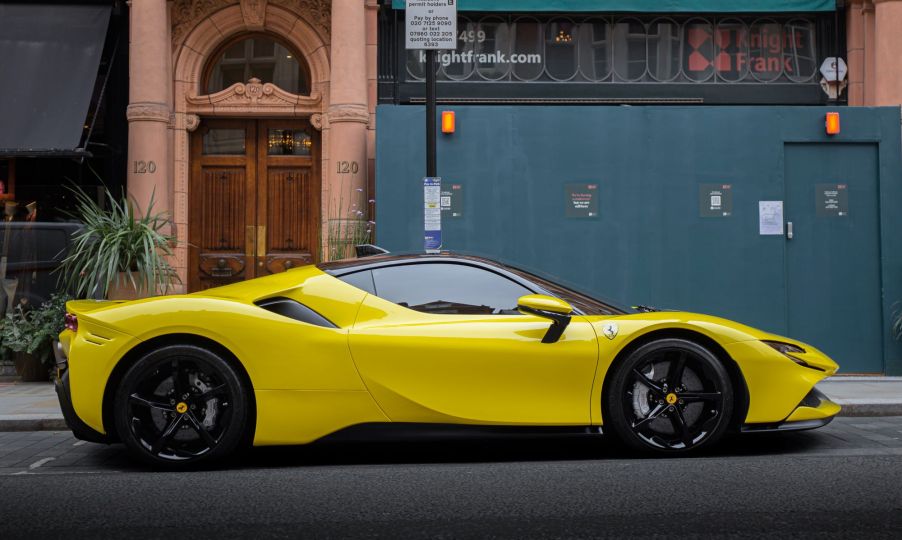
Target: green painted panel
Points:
(649, 243)
(638, 6)
(833, 258)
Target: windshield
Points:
(588, 305)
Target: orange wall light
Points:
(832, 123)
(447, 121)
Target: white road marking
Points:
(40, 462)
(79, 443)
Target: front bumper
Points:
(814, 411)
(79, 429)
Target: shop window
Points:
(732, 50)
(560, 49)
(629, 50)
(7, 179)
(459, 65)
(766, 50)
(492, 54)
(528, 49)
(595, 49)
(664, 45)
(698, 50)
(800, 59)
(258, 57)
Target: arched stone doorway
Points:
(249, 156)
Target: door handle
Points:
(789, 230)
(261, 244)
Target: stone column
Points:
(348, 112)
(149, 109)
(888, 43)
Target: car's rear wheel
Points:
(181, 405)
(669, 396)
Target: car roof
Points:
(347, 266)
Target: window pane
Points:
(732, 46)
(224, 141)
(361, 280)
(698, 50)
(453, 289)
(416, 65)
(492, 54)
(766, 50)
(629, 50)
(801, 60)
(595, 49)
(288, 142)
(259, 57)
(560, 49)
(459, 65)
(527, 49)
(664, 50)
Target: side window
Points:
(362, 280)
(452, 289)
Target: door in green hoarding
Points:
(833, 252)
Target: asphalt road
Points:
(842, 481)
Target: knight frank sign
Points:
(431, 24)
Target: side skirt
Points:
(409, 431)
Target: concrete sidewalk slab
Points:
(34, 407)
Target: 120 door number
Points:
(145, 167)
(348, 167)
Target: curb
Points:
(855, 407)
(35, 422)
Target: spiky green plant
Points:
(116, 241)
(347, 226)
(897, 322)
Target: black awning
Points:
(49, 58)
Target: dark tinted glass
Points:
(453, 289)
(361, 280)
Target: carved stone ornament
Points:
(254, 97)
(254, 13)
(349, 112)
(319, 121)
(186, 14)
(148, 112)
(192, 121)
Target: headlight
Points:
(786, 349)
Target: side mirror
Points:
(547, 307)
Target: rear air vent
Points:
(293, 309)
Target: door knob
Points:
(789, 230)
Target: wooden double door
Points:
(254, 200)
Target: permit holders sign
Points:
(431, 24)
(432, 214)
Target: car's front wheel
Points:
(181, 405)
(669, 396)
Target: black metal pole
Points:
(430, 114)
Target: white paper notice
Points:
(770, 217)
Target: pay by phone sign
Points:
(431, 24)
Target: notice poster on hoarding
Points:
(581, 200)
(432, 214)
(715, 200)
(452, 200)
(770, 217)
(832, 200)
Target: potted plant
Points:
(897, 323)
(120, 253)
(31, 335)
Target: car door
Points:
(444, 342)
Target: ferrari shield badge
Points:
(610, 330)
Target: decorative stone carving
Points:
(192, 121)
(254, 13)
(316, 12)
(319, 121)
(349, 112)
(254, 97)
(185, 14)
(148, 112)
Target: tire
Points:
(670, 396)
(181, 406)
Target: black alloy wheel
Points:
(181, 405)
(670, 396)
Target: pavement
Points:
(34, 407)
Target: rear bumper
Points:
(79, 429)
(814, 411)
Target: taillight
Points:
(71, 322)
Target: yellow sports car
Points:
(413, 342)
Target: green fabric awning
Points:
(644, 6)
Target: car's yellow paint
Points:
(545, 302)
(484, 369)
(385, 362)
(826, 409)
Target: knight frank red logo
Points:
(733, 50)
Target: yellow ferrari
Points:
(387, 343)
